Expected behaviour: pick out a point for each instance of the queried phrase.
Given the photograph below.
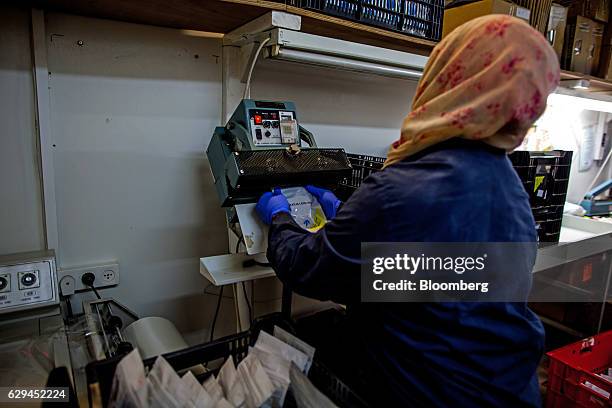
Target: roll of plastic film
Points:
(154, 336)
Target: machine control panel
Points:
(273, 127)
(27, 284)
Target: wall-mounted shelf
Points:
(227, 269)
(223, 16)
(598, 85)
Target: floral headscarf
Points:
(490, 72)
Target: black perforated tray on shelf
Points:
(418, 18)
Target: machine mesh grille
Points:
(278, 162)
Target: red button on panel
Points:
(257, 119)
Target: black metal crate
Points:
(419, 18)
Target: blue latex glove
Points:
(328, 200)
(270, 204)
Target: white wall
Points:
(362, 113)
(565, 124)
(21, 223)
(132, 110)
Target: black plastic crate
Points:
(341, 8)
(529, 158)
(553, 212)
(419, 18)
(100, 373)
(545, 175)
(363, 166)
(548, 222)
(548, 231)
(552, 168)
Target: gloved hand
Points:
(328, 200)
(270, 204)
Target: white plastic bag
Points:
(277, 369)
(296, 343)
(130, 388)
(232, 387)
(165, 386)
(271, 344)
(198, 397)
(305, 209)
(255, 381)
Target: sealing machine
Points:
(263, 146)
(598, 200)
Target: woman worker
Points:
(447, 179)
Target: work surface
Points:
(581, 238)
(556, 255)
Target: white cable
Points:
(601, 169)
(247, 88)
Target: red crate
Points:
(572, 365)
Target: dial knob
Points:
(28, 279)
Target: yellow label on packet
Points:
(319, 219)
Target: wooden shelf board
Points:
(329, 26)
(223, 16)
(597, 84)
(204, 15)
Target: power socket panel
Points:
(107, 274)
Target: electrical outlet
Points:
(107, 274)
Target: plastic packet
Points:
(197, 395)
(296, 343)
(305, 209)
(211, 385)
(229, 381)
(271, 344)
(255, 382)
(129, 388)
(166, 387)
(305, 393)
(277, 369)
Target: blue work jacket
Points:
(427, 354)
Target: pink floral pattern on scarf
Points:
(489, 72)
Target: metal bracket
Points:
(249, 36)
(251, 30)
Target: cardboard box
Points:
(461, 11)
(597, 44)
(601, 10)
(557, 22)
(594, 9)
(605, 67)
(583, 43)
